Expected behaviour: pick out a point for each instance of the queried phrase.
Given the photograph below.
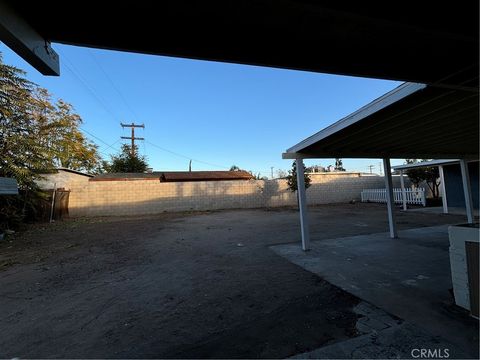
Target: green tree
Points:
(292, 178)
(58, 129)
(22, 155)
(258, 176)
(234, 168)
(429, 174)
(128, 161)
(35, 136)
(339, 165)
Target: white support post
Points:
(443, 189)
(390, 202)
(302, 204)
(404, 194)
(467, 190)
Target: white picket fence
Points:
(413, 196)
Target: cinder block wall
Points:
(137, 197)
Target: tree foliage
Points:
(36, 135)
(292, 178)
(430, 175)
(59, 131)
(281, 173)
(21, 154)
(128, 161)
(339, 165)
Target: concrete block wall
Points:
(99, 198)
(137, 197)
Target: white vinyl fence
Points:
(413, 196)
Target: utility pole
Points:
(380, 167)
(133, 138)
(271, 169)
(370, 167)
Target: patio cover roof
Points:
(411, 121)
(420, 41)
(438, 162)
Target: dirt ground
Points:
(183, 285)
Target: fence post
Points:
(404, 194)
(424, 201)
(52, 208)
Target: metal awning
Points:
(438, 162)
(411, 121)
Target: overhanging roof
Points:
(421, 41)
(411, 121)
(438, 162)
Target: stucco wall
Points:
(98, 198)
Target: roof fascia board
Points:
(430, 163)
(382, 102)
(369, 155)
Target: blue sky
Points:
(217, 114)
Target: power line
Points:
(96, 137)
(186, 157)
(92, 92)
(90, 89)
(113, 84)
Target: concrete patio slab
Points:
(408, 277)
(439, 210)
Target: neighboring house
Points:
(454, 187)
(452, 176)
(176, 176)
(315, 169)
(61, 178)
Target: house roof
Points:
(74, 171)
(125, 176)
(420, 41)
(426, 164)
(411, 121)
(56, 170)
(438, 162)
(171, 176)
(176, 176)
